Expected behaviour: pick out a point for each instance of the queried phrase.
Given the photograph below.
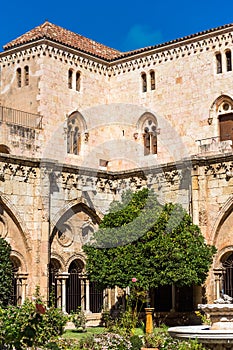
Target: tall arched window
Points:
(144, 82)
(150, 138)
(147, 125)
(228, 61)
(152, 80)
(19, 77)
(73, 137)
(218, 57)
(70, 78)
(76, 130)
(78, 78)
(26, 75)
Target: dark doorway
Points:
(74, 287)
(228, 276)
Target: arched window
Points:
(148, 128)
(144, 82)
(152, 80)
(228, 61)
(73, 137)
(76, 129)
(150, 137)
(19, 77)
(78, 78)
(225, 116)
(70, 78)
(218, 57)
(26, 75)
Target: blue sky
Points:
(124, 25)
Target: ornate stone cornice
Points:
(139, 59)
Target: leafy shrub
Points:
(6, 273)
(136, 342)
(30, 324)
(79, 319)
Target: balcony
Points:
(16, 117)
(214, 145)
(19, 130)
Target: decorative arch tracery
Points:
(221, 115)
(76, 133)
(148, 127)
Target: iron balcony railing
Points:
(17, 117)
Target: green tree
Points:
(6, 273)
(157, 245)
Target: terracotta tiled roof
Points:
(171, 42)
(55, 33)
(58, 34)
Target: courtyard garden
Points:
(139, 245)
(34, 326)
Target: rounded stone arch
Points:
(11, 210)
(217, 108)
(76, 257)
(57, 261)
(18, 261)
(4, 149)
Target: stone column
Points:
(23, 277)
(87, 296)
(218, 272)
(82, 281)
(195, 196)
(62, 278)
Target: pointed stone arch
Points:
(72, 204)
(147, 126)
(225, 211)
(77, 115)
(76, 132)
(14, 214)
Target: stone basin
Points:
(217, 336)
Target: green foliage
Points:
(136, 342)
(6, 273)
(30, 324)
(158, 245)
(79, 319)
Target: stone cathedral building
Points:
(81, 123)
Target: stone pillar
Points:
(218, 272)
(63, 277)
(23, 277)
(195, 196)
(83, 279)
(87, 296)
